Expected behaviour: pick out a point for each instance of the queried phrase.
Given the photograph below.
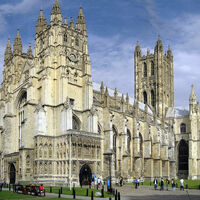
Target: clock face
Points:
(72, 56)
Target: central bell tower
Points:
(62, 60)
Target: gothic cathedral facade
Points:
(59, 127)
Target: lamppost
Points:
(110, 157)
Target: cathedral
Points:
(57, 126)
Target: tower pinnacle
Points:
(80, 22)
(56, 16)
(41, 23)
(17, 47)
(8, 51)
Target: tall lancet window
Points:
(145, 69)
(22, 101)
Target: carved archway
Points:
(12, 173)
(85, 175)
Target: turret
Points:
(17, 47)
(137, 52)
(159, 45)
(29, 51)
(41, 23)
(71, 22)
(169, 52)
(80, 23)
(56, 16)
(8, 51)
(193, 100)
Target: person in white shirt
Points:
(181, 184)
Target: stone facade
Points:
(56, 124)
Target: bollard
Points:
(92, 196)
(102, 192)
(74, 193)
(186, 186)
(97, 187)
(118, 195)
(110, 198)
(61, 190)
(44, 193)
(59, 194)
(199, 187)
(9, 187)
(50, 189)
(87, 192)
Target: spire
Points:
(29, 51)
(122, 99)
(17, 47)
(106, 92)
(137, 50)
(56, 8)
(80, 22)
(71, 22)
(102, 88)
(8, 51)
(56, 16)
(115, 93)
(193, 98)
(127, 98)
(159, 45)
(41, 23)
(169, 52)
(65, 20)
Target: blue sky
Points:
(113, 28)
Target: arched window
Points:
(115, 145)
(141, 143)
(65, 38)
(75, 123)
(152, 68)
(183, 128)
(145, 97)
(145, 70)
(128, 140)
(152, 98)
(77, 42)
(183, 155)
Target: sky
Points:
(113, 28)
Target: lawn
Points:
(4, 195)
(79, 191)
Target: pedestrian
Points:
(182, 184)
(167, 184)
(136, 183)
(162, 184)
(155, 182)
(121, 181)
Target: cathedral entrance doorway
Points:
(85, 176)
(12, 173)
(183, 159)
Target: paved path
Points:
(148, 193)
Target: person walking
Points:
(162, 184)
(182, 184)
(136, 183)
(155, 182)
(167, 184)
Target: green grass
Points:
(79, 191)
(10, 195)
(4, 195)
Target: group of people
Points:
(96, 181)
(167, 181)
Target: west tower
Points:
(154, 78)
